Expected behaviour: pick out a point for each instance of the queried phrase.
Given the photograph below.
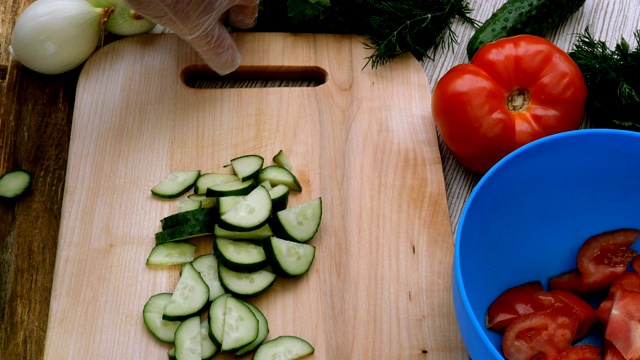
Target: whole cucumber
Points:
(515, 17)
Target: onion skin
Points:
(55, 36)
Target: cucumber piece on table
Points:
(172, 253)
(239, 255)
(207, 266)
(232, 188)
(207, 347)
(244, 285)
(176, 184)
(190, 296)
(205, 202)
(263, 330)
(207, 180)
(279, 197)
(251, 213)
(299, 223)
(187, 342)
(202, 215)
(241, 326)
(253, 235)
(184, 232)
(188, 204)
(247, 166)
(217, 311)
(226, 203)
(284, 347)
(289, 258)
(163, 330)
(281, 159)
(14, 183)
(279, 175)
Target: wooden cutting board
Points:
(363, 140)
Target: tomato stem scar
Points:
(518, 100)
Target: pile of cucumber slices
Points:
(257, 238)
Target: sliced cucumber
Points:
(279, 197)
(232, 188)
(172, 253)
(298, 223)
(244, 285)
(14, 183)
(241, 256)
(216, 318)
(253, 235)
(281, 159)
(207, 180)
(207, 347)
(175, 184)
(241, 326)
(184, 232)
(207, 266)
(205, 202)
(289, 258)
(163, 330)
(247, 167)
(251, 213)
(284, 348)
(226, 203)
(172, 353)
(202, 215)
(263, 330)
(187, 204)
(187, 342)
(279, 175)
(190, 296)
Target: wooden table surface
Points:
(35, 123)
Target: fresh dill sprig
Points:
(613, 80)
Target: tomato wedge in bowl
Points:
(530, 214)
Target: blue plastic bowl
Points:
(529, 215)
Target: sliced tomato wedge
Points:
(623, 326)
(511, 304)
(611, 352)
(627, 280)
(635, 263)
(572, 281)
(540, 335)
(583, 312)
(581, 352)
(605, 256)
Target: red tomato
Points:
(511, 304)
(584, 312)
(571, 281)
(581, 352)
(635, 264)
(605, 256)
(627, 280)
(623, 327)
(514, 91)
(540, 335)
(611, 352)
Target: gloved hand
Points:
(199, 22)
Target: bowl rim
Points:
(457, 275)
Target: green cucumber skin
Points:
(209, 214)
(515, 17)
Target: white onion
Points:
(55, 36)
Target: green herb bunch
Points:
(392, 27)
(613, 81)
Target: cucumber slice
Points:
(284, 348)
(241, 326)
(187, 341)
(207, 266)
(263, 330)
(298, 223)
(172, 253)
(289, 258)
(232, 188)
(207, 347)
(175, 184)
(184, 232)
(202, 215)
(281, 159)
(253, 235)
(250, 213)
(279, 175)
(187, 204)
(14, 183)
(226, 203)
(247, 167)
(241, 256)
(244, 285)
(205, 202)
(216, 318)
(279, 197)
(163, 330)
(172, 354)
(207, 180)
(190, 296)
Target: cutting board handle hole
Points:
(201, 77)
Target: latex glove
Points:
(199, 22)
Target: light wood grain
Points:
(364, 141)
